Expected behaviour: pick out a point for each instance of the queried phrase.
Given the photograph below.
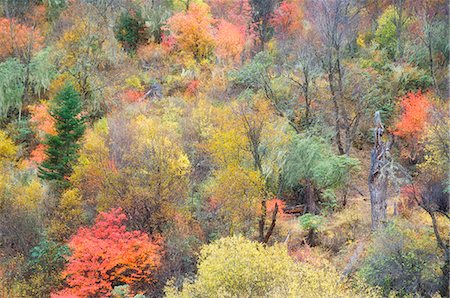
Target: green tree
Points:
(62, 147)
(130, 29)
(311, 163)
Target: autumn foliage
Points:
(192, 31)
(287, 18)
(106, 255)
(414, 116)
(413, 120)
(42, 123)
(18, 39)
(230, 40)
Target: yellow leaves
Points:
(236, 194)
(8, 149)
(163, 140)
(238, 267)
(228, 143)
(28, 195)
(134, 82)
(69, 215)
(360, 41)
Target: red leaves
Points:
(287, 18)
(43, 124)
(281, 205)
(132, 95)
(41, 119)
(107, 254)
(230, 40)
(415, 107)
(412, 123)
(192, 87)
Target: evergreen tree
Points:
(62, 148)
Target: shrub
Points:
(238, 267)
(404, 260)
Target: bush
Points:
(403, 260)
(238, 267)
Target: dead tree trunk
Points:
(378, 179)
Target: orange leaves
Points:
(42, 124)
(132, 95)
(287, 18)
(271, 207)
(107, 254)
(17, 39)
(415, 107)
(230, 40)
(41, 120)
(192, 31)
(413, 120)
(192, 87)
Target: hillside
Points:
(224, 148)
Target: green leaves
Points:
(63, 147)
(311, 158)
(13, 75)
(11, 86)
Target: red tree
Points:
(287, 18)
(106, 255)
(230, 41)
(412, 122)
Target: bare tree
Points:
(336, 23)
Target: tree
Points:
(20, 196)
(235, 195)
(401, 258)
(413, 120)
(62, 147)
(44, 267)
(230, 41)
(42, 123)
(130, 30)
(17, 39)
(192, 31)
(106, 255)
(287, 18)
(19, 81)
(262, 11)
(68, 216)
(437, 144)
(335, 24)
(311, 163)
(137, 164)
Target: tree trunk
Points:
(378, 181)
(311, 206)
(378, 198)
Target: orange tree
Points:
(106, 255)
(192, 31)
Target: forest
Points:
(224, 148)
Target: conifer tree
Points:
(63, 146)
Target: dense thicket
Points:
(224, 148)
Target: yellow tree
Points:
(136, 163)
(244, 141)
